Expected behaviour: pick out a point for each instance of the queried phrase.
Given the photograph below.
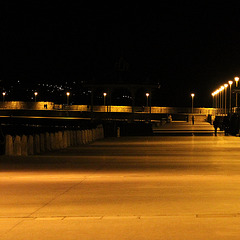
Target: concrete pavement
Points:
(158, 187)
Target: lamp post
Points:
(218, 101)
(225, 87)
(222, 95)
(192, 95)
(4, 93)
(236, 80)
(68, 94)
(104, 101)
(35, 96)
(230, 96)
(147, 95)
(213, 94)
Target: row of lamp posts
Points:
(68, 94)
(35, 96)
(220, 97)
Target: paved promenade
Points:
(160, 187)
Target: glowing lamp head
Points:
(147, 94)
(35, 93)
(230, 82)
(225, 85)
(104, 94)
(3, 93)
(68, 93)
(236, 79)
(221, 88)
(192, 94)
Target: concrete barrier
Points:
(36, 144)
(47, 141)
(52, 141)
(65, 139)
(42, 142)
(68, 138)
(30, 145)
(17, 146)
(9, 145)
(24, 146)
(39, 143)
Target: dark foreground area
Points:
(125, 188)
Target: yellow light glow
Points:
(192, 94)
(35, 93)
(3, 93)
(68, 93)
(147, 94)
(225, 85)
(221, 88)
(104, 94)
(230, 82)
(236, 79)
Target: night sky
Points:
(184, 47)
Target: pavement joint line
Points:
(74, 185)
(87, 217)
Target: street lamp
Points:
(192, 95)
(225, 87)
(147, 95)
(213, 94)
(104, 100)
(221, 89)
(236, 80)
(230, 96)
(4, 93)
(35, 94)
(68, 94)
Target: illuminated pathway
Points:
(125, 188)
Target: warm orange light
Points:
(225, 85)
(35, 93)
(192, 94)
(104, 94)
(147, 94)
(68, 93)
(236, 79)
(3, 93)
(230, 82)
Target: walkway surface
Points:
(185, 128)
(160, 187)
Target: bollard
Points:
(17, 146)
(52, 141)
(36, 144)
(65, 139)
(118, 132)
(30, 145)
(24, 146)
(60, 133)
(42, 142)
(68, 138)
(9, 145)
(57, 140)
(79, 137)
(47, 141)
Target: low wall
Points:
(27, 105)
(39, 143)
(19, 105)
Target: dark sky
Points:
(185, 47)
